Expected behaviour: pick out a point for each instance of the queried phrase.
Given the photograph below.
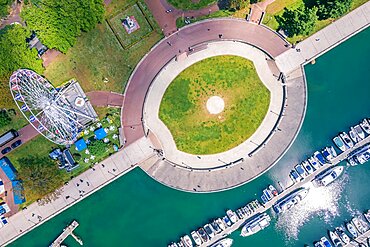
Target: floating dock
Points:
(342, 156)
(66, 232)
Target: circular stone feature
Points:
(202, 124)
(215, 105)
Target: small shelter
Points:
(80, 145)
(100, 133)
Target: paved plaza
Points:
(175, 67)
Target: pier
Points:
(342, 156)
(360, 239)
(66, 232)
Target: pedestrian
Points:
(88, 184)
(220, 35)
(317, 39)
(77, 184)
(208, 29)
(103, 165)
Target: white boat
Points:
(367, 215)
(329, 153)
(226, 242)
(221, 224)
(353, 134)
(273, 190)
(318, 244)
(307, 166)
(255, 225)
(227, 221)
(342, 234)
(335, 239)
(290, 200)
(359, 131)
(198, 241)
(326, 242)
(232, 216)
(350, 227)
(365, 125)
(301, 171)
(216, 227)
(339, 143)
(180, 244)
(319, 157)
(328, 176)
(314, 162)
(209, 230)
(357, 223)
(187, 241)
(203, 235)
(347, 141)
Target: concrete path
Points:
(258, 9)
(175, 67)
(325, 39)
(78, 188)
(105, 98)
(187, 37)
(14, 16)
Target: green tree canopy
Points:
(97, 147)
(15, 54)
(57, 23)
(39, 175)
(4, 7)
(300, 21)
(4, 118)
(332, 8)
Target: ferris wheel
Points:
(47, 108)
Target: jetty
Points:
(66, 232)
(286, 191)
(363, 239)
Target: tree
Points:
(39, 175)
(332, 8)
(300, 21)
(4, 118)
(57, 23)
(15, 54)
(97, 148)
(4, 7)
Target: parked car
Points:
(16, 144)
(3, 221)
(6, 150)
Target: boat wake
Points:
(322, 202)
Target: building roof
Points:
(80, 145)
(8, 168)
(100, 133)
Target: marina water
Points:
(138, 211)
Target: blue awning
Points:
(100, 133)
(8, 168)
(80, 144)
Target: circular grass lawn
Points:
(183, 108)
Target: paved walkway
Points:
(167, 21)
(168, 48)
(325, 39)
(238, 173)
(169, 73)
(105, 98)
(13, 17)
(78, 188)
(258, 9)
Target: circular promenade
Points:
(207, 173)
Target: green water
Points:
(137, 211)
